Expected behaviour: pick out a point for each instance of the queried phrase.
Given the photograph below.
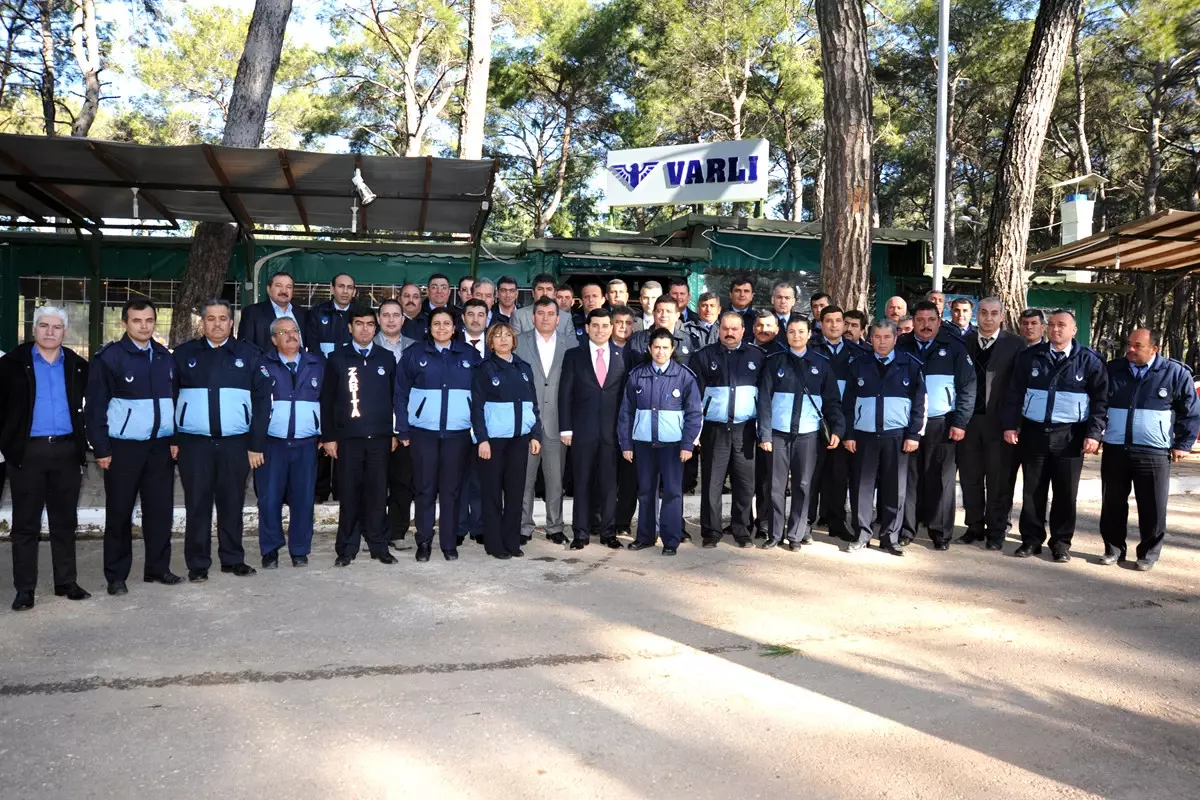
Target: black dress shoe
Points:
(423, 551)
(71, 591)
(891, 550)
(1027, 550)
(519, 554)
(790, 546)
(668, 551)
(636, 545)
(625, 531)
(168, 578)
(501, 556)
(271, 560)
(383, 558)
(612, 542)
(709, 542)
(769, 544)
(197, 575)
(241, 570)
(760, 534)
(577, 544)
(23, 601)
(1108, 559)
(968, 538)
(450, 555)
(557, 538)
(806, 539)
(459, 541)
(855, 546)
(994, 546)
(117, 587)
(744, 542)
(342, 561)
(526, 539)
(1062, 557)
(942, 545)
(685, 537)
(299, 561)
(905, 541)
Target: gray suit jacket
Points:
(522, 321)
(999, 370)
(545, 385)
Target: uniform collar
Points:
(215, 346)
(801, 354)
(890, 356)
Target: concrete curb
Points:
(91, 518)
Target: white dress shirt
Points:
(546, 349)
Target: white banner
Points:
(717, 172)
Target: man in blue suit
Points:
(589, 397)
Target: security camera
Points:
(364, 192)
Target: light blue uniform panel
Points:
(1151, 427)
(810, 414)
(782, 404)
(458, 409)
(191, 414)
(326, 348)
(281, 414)
(940, 395)
(841, 389)
(527, 417)
(864, 414)
(425, 409)
(670, 425)
(133, 420)
(716, 403)
(1034, 407)
(896, 411)
(500, 419)
(308, 419)
(1070, 407)
(643, 426)
(745, 403)
(234, 405)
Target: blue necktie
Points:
(1138, 372)
(292, 366)
(363, 351)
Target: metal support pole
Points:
(939, 192)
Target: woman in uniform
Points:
(657, 427)
(505, 423)
(433, 417)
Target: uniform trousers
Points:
(1147, 471)
(470, 504)
(142, 469)
(1051, 458)
(987, 470)
(400, 492)
(288, 474)
(595, 466)
(762, 491)
(213, 469)
(794, 454)
(48, 479)
(833, 483)
(880, 464)
(362, 494)
(660, 483)
(929, 495)
(502, 479)
(727, 450)
(438, 466)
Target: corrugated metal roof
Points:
(91, 180)
(1166, 241)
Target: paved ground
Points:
(618, 675)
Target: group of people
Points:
(454, 409)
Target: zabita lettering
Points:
(352, 385)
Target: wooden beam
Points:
(116, 168)
(286, 166)
(232, 201)
(22, 210)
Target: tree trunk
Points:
(1085, 150)
(1154, 142)
(85, 46)
(542, 221)
(819, 190)
(212, 246)
(1016, 179)
(796, 182)
(846, 227)
(49, 110)
(479, 63)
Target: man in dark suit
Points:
(987, 465)
(255, 323)
(44, 441)
(589, 397)
(470, 510)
